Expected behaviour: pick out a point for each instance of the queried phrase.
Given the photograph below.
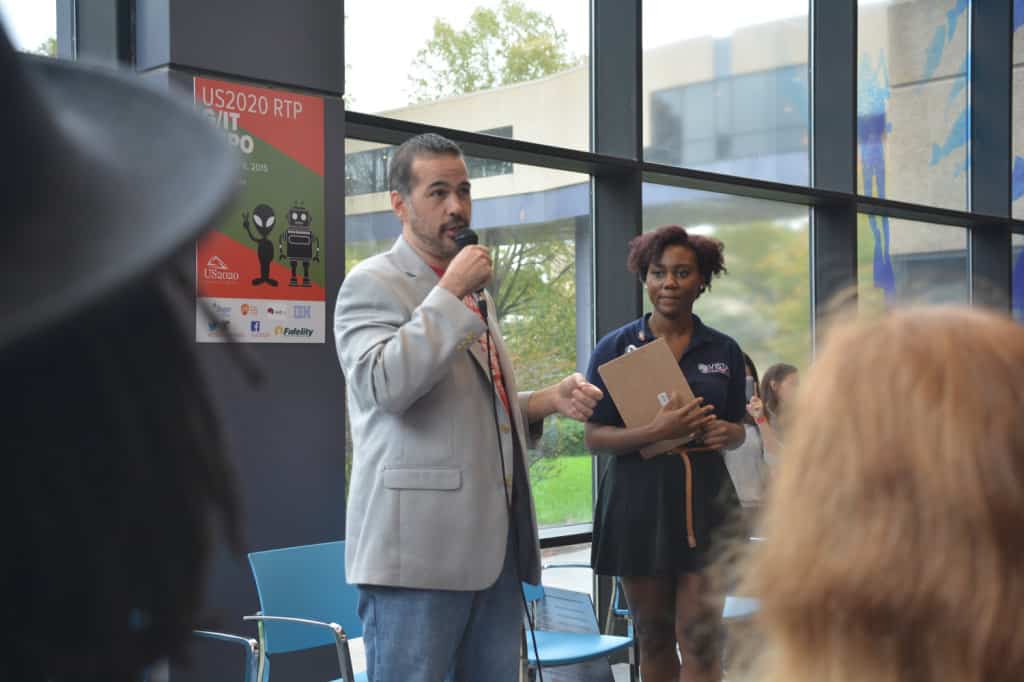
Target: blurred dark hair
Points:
(118, 472)
(427, 144)
(648, 247)
(752, 368)
(775, 374)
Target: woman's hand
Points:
(720, 434)
(675, 421)
(755, 408)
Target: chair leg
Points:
(610, 613)
(523, 665)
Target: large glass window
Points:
(31, 26)
(1018, 110)
(912, 120)
(903, 261)
(727, 90)
(473, 65)
(366, 170)
(537, 224)
(764, 302)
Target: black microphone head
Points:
(465, 237)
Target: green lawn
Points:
(561, 490)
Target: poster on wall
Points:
(260, 271)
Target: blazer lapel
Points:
(412, 266)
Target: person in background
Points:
(779, 386)
(656, 518)
(747, 464)
(894, 548)
(115, 466)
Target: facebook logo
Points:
(254, 325)
(301, 312)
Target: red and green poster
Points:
(261, 270)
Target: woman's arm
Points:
(670, 422)
(723, 435)
(727, 433)
(770, 439)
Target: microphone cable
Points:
(513, 526)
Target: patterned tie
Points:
(499, 380)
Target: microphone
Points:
(466, 237)
(463, 238)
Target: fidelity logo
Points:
(217, 269)
(293, 331)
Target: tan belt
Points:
(691, 537)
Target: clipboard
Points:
(640, 383)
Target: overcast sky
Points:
(384, 35)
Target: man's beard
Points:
(435, 239)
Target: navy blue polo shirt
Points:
(712, 364)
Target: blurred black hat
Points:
(105, 178)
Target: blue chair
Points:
(558, 648)
(305, 602)
(250, 647)
(617, 609)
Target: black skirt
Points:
(662, 516)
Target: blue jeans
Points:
(434, 635)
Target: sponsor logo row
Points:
(255, 320)
(258, 329)
(252, 310)
(295, 312)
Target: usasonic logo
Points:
(293, 331)
(217, 269)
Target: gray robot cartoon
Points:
(298, 243)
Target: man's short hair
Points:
(427, 144)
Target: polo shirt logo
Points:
(714, 368)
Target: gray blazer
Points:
(426, 507)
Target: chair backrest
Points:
(307, 581)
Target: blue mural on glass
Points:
(956, 136)
(872, 127)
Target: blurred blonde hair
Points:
(895, 527)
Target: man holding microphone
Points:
(440, 527)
